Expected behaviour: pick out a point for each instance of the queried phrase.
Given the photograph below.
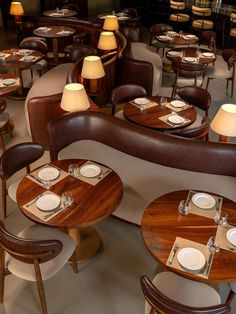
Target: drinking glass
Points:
(163, 102)
(221, 218)
(67, 198)
(182, 208)
(213, 245)
(47, 184)
(13, 51)
(73, 170)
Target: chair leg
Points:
(2, 274)
(39, 283)
(2, 141)
(4, 198)
(74, 262)
(208, 80)
(230, 297)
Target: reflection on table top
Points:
(60, 13)
(8, 89)
(162, 223)
(54, 31)
(151, 117)
(91, 202)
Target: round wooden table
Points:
(60, 13)
(92, 203)
(54, 32)
(162, 223)
(150, 117)
(178, 40)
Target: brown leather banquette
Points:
(149, 163)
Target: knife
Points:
(35, 178)
(209, 262)
(170, 261)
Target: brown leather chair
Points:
(79, 51)
(40, 251)
(187, 74)
(124, 93)
(135, 19)
(157, 30)
(132, 33)
(209, 38)
(131, 71)
(229, 56)
(14, 159)
(165, 299)
(80, 39)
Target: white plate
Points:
(24, 51)
(121, 14)
(29, 58)
(176, 119)
(173, 53)
(122, 18)
(208, 54)
(189, 59)
(231, 236)
(190, 36)
(48, 173)
(178, 103)
(42, 28)
(48, 202)
(163, 37)
(141, 101)
(171, 33)
(8, 82)
(90, 171)
(203, 200)
(191, 258)
(2, 54)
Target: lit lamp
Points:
(224, 122)
(107, 41)
(111, 23)
(93, 70)
(17, 10)
(74, 98)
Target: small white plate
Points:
(141, 101)
(24, 51)
(191, 258)
(42, 28)
(189, 59)
(203, 200)
(171, 33)
(48, 202)
(231, 236)
(48, 173)
(176, 119)
(121, 14)
(208, 54)
(8, 82)
(29, 58)
(173, 53)
(178, 103)
(90, 171)
(163, 37)
(190, 36)
(122, 18)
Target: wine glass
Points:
(163, 102)
(213, 245)
(67, 198)
(221, 218)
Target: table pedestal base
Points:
(88, 242)
(19, 95)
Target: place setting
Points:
(143, 103)
(90, 172)
(177, 105)
(174, 120)
(9, 82)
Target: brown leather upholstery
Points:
(142, 143)
(196, 96)
(209, 38)
(124, 93)
(158, 29)
(131, 71)
(14, 159)
(135, 19)
(132, 33)
(79, 51)
(162, 304)
(34, 44)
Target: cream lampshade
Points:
(224, 122)
(74, 98)
(92, 69)
(111, 23)
(16, 9)
(107, 41)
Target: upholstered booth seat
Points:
(203, 24)
(50, 268)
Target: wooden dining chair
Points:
(37, 253)
(5, 126)
(157, 30)
(171, 294)
(12, 160)
(232, 292)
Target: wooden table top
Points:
(14, 59)
(91, 203)
(8, 89)
(178, 40)
(162, 223)
(150, 117)
(191, 52)
(53, 31)
(60, 13)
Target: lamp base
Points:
(224, 138)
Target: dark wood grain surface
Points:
(150, 117)
(91, 203)
(180, 40)
(53, 32)
(161, 224)
(14, 60)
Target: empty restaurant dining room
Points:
(117, 156)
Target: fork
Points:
(176, 247)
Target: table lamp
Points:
(111, 23)
(224, 122)
(17, 10)
(92, 69)
(74, 98)
(107, 41)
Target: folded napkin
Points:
(211, 212)
(168, 105)
(93, 181)
(150, 104)
(43, 215)
(17, 83)
(185, 243)
(34, 176)
(221, 238)
(165, 119)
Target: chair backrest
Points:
(162, 304)
(132, 71)
(229, 55)
(27, 250)
(18, 157)
(189, 70)
(159, 29)
(209, 37)
(79, 51)
(130, 11)
(196, 132)
(196, 96)
(34, 44)
(132, 33)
